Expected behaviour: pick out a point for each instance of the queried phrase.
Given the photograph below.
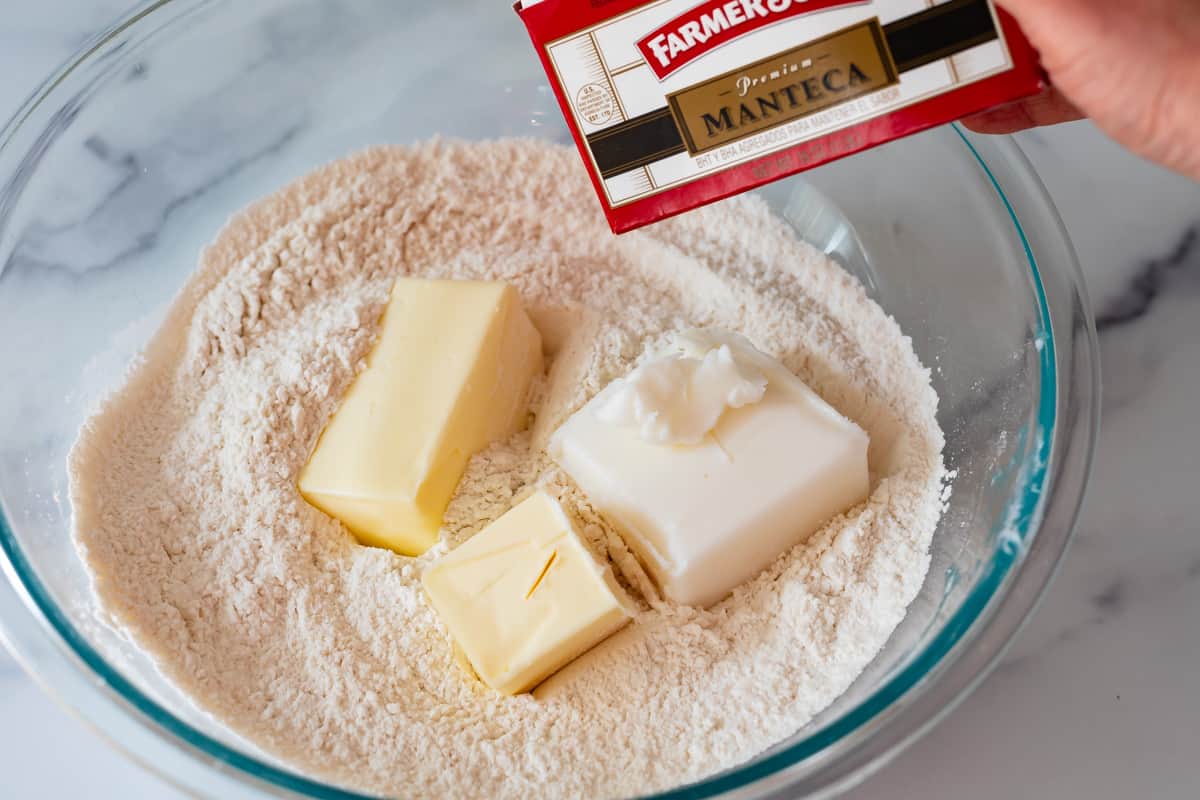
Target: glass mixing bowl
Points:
(128, 160)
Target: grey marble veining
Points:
(1097, 696)
(1155, 277)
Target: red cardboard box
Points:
(679, 103)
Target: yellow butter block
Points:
(524, 597)
(449, 374)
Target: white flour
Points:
(326, 653)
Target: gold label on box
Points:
(787, 86)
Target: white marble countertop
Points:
(1097, 697)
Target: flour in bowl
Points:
(327, 654)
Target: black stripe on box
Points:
(939, 32)
(914, 41)
(636, 142)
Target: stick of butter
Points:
(775, 465)
(524, 597)
(449, 374)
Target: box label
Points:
(785, 86)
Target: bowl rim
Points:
(979, 614)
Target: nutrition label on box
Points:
(664, 93)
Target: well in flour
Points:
(326, 653)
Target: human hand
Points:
(1132, 67)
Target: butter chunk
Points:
(450, 374)
(704, 518)
(524, 597)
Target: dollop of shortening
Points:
(678, 398)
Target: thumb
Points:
(1130, 66)
(1064, 31)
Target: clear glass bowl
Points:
(128, 160)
